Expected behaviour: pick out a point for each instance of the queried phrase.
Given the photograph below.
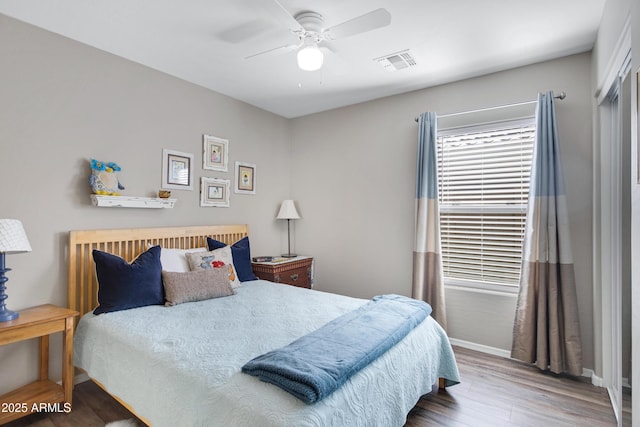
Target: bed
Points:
(181, 365)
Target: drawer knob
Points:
(294, 277)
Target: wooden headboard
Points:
(128, 243)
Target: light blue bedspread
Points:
(315, 365)
(181, 365)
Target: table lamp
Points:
(288, 211)
(13, 240)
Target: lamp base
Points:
(289, 255)
(6, 315)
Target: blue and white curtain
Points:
(546, 329)
(427, 255)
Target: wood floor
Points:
(494, 392)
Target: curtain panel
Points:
(428, 284)
(546, 328)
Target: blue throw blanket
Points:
(315, 365)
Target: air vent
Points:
(397, 61)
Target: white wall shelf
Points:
(131, 202)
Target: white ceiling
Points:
(206, 42)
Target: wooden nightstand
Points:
(43, 394)
(296, 271)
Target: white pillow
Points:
(176, 259)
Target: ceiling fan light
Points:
(310, 58)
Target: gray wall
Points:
(62, 103)
(354, 178)
(351, 171)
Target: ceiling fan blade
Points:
(272, 10)
(369, 21)
(333, 62)
(278, 11)
(244, 32)
(276, 50)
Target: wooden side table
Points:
(43, 394)
(296, 271)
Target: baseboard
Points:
(481, 348)
(595, 380)
(80, 378)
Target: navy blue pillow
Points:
(241, 257)
(123, 285)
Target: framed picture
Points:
(215, 153)
(177, 170)
(214, 192)
(245, 178)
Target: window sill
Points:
(485, 288)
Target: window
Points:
(483, 180)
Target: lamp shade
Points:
(288, 210)
(13, 239)
(310, 58)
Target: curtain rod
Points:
(561, 95)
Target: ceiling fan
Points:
(307, 26)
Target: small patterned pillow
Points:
(195, 285)
(218, 258)
(241, 257)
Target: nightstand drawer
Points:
(294, 272)
(296, 277)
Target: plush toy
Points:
(103, 179)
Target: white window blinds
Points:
(484, 185)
